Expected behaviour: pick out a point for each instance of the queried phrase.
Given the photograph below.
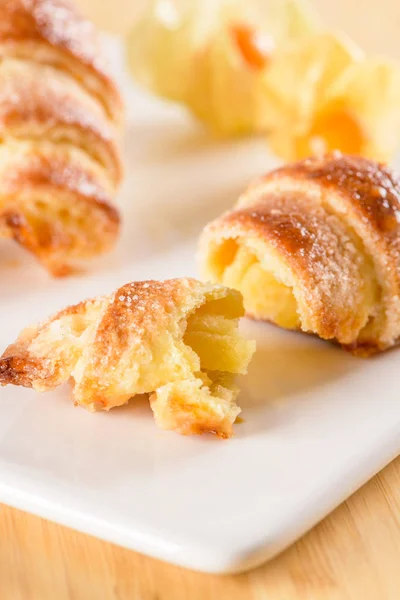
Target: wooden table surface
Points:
(354, 554)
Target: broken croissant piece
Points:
(60, 164)
(315, 245)
(175, 340)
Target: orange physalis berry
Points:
(255, 48)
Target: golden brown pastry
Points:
(56, 202)
(175, 340)
(41, 103)
(315, 245)
(53, 33)
(60, 164)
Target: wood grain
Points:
(354, 554)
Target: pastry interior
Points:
(265, 283)
(333, 278)
(216, 353)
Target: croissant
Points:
(315, 245)
(175, 340)
(60, 164)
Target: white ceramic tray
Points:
(318, 422)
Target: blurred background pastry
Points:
(60, 114)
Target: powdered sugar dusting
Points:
(56, 21)
(49, 99)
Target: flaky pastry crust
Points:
(47, 193)
(41, 103)
(315, 245)
(175, 340)
(52, 32)
(60, 164)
